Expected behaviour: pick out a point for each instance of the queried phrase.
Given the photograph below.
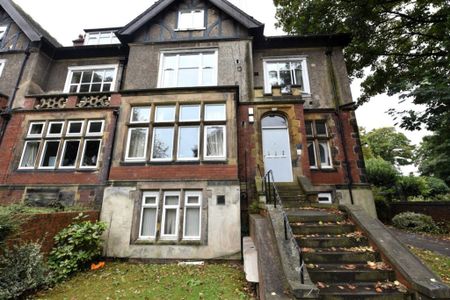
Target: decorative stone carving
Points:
(94, 101)
(51, 103)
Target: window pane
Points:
(149, 222)
(198, 20)
(109, 75)
(190, 113)
(95, 127)
(55, 128)
(312, 155)
(193, 200)
(91, 150)
(98, 76)
(172, 200)
(321, 128)
(192, 223)
(50, 153)
(169, 78)
(188, 77)
(189, 60)
(76, 77)
(165, 114)
(215, 112)
(87, 76)
(162, 143)
(208, 77)
(309, 130)
(285, 80)
(106, 87)
(73, 89)
(140, 114)
(36, 129)
(96, 87)
(85, 88)
(188, 142)
(274, 121)
(170, 61)
(75, 127)
(30, 154)
(170, 222)
(324, 154)
(137, 146)
(215, 142)
(184, 19)
(150, 200)
(297, 67)
(70, 154)
(209, 60)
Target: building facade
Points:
(169, 123)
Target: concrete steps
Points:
(360, 291)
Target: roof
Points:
(30, 27)
(234, 12)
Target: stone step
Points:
(356, 275)
(306, 229)
(340, 257)
(360, 291)
(328, 242)
(314, 216)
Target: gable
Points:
(13, 38)
(161, 22)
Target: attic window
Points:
(2, 32)
(191, 19)
(101, 38)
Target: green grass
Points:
(149, 281)
(24, 209)
(440, 264)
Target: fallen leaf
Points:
(321, 285)
(341, 287)
(378, 290)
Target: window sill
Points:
(56, 170)
(324, 170)
(168, 242)
(189, 29)
(167, 163)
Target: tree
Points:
(406, 44)
(390, 145)
(381, 173)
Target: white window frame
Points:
(199, 206)
(180, 52)
(140, 122)
(55, 135)
(165, 207)
(64, 152)
(312, 142)
(83, 152)
(155, 206)
(44, 149)
(198, 143)
(71, 70)
(23, 153)
(2, 63)
(216, 104)
(165, 106)
(191, 120)
(328, 166)
(153, 143)
(75, 134)
(29, 135)
(3, 33)
(89, 134)
(205, 143)
(303, 59)
(192, 13)
(127, 154)
(112, 38)
(325, 195)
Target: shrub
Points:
(383, 210)
(10, 221)
(22, 270)
(75, 247)
(415, 222)
(436, 186)
(410, 186)
(381, 172)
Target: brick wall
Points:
(42, 228)
(439, 211)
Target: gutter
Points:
(337, 112)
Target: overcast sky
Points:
(65, 20)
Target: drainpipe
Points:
(7, 113)
(337, 112)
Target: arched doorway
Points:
(276, 147)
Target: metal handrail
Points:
(273, 196)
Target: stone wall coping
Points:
(419, 277)
(290, 258)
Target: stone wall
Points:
(439, 211)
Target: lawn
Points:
(150, 281)
(440, 264)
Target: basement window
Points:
(46, 147)
(325, 198)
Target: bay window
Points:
(319, 150)
(177, 132)
(62, 145)
(286, 72)
(188, 69)
(88, 79)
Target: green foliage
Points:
(415, 222)
(381, 172)
(75, 247)
(436, 186)
(411, 186)
(383, 210)
(10, 221)
(433, 155)
(390, 145)
(22, 270)
(406, 45)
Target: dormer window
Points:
(191, 19)
(101, 38)
(2, 32)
